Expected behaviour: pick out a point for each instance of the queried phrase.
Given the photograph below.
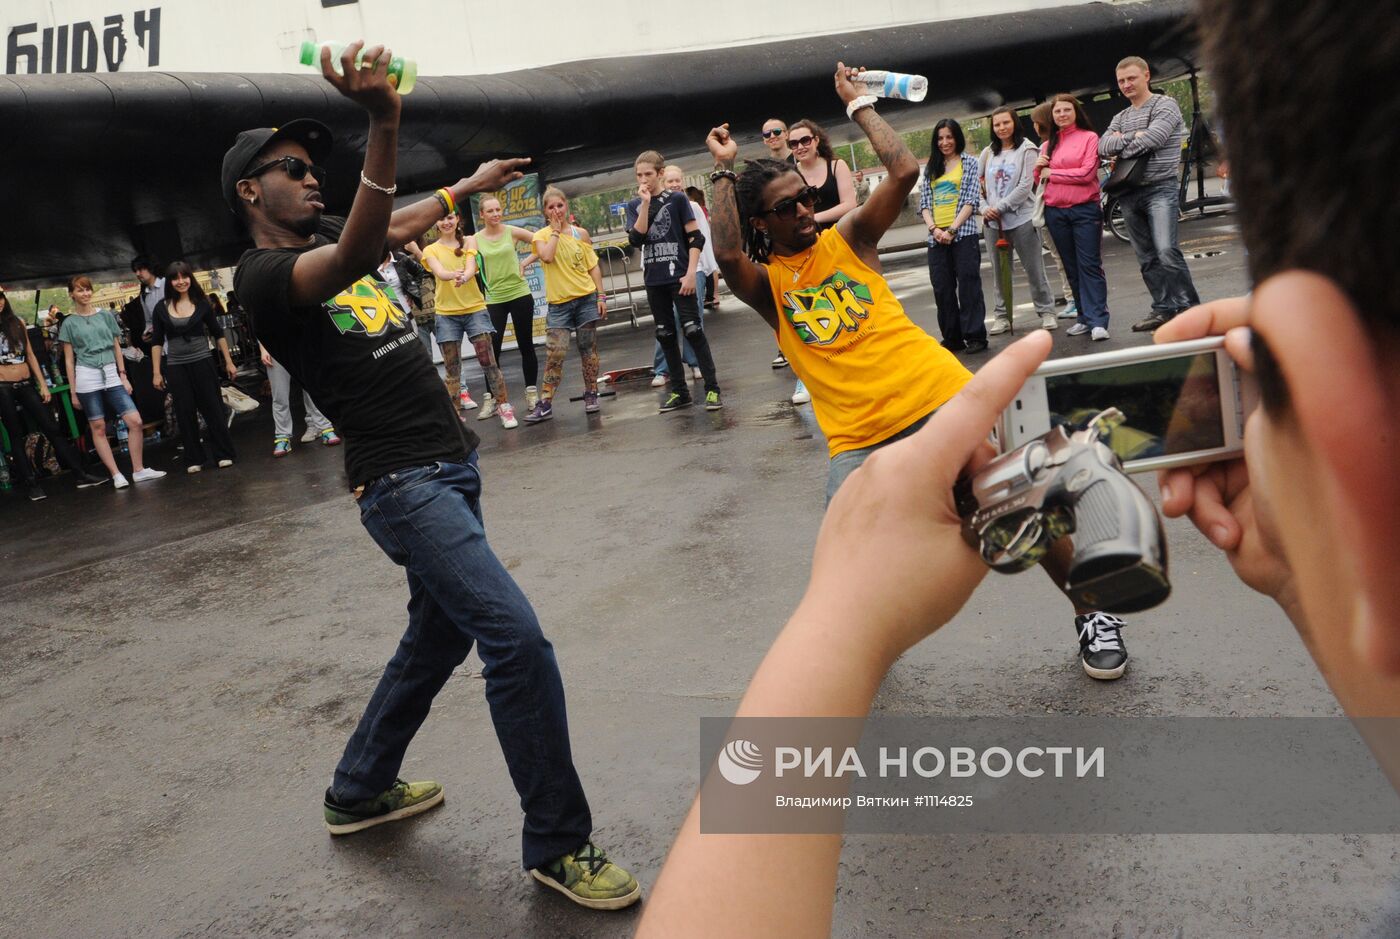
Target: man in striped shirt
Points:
(1152, 128)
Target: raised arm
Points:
(748, 281)
(520, 234)
(864, 227)
(545, 248)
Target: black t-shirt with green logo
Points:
(356, 356)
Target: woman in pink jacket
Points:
(1069, 169)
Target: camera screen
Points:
(1172, 405)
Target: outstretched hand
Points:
(723, 146)
(493, 175)
(890, 558)
(368, 86)
(848, 88)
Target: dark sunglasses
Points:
(787, 208)
(773, 133)
(801, 141)
(296, 168)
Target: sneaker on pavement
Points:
(1048, 321)
(800, 395)
(781, 361)
(712, 401)
(225, 464)
(975, 346)
(1098, 334)
(36, 492)
(1000, 325)
(190, 470)
(590, 402)
(119, 482)
(146, 475)
(1070, 312)
(1101, 649)
(661, 380)
(465, 401)
(310, 434)
(87, 480)
(1150, 323)
(587, 877)
(281, 446)
(532, 398)
(675, 401)
(506, 412)
(696, 374)
(488, 407)
(540, 412)
(1078, 329)
(402, 800)
(329, 438)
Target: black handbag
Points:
(1130, 172)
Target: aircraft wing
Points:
(100, 167)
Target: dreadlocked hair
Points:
(748, 193)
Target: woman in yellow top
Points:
(574, 288)
(951, 196)
(461, 311)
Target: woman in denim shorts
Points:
(97, 379)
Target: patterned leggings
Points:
(485, 357)
(556, 345)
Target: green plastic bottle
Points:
(403, 73)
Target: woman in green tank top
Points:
(507, 293)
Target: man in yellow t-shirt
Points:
(874, 375)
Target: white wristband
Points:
(864, 101)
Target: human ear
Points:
(1343, 397)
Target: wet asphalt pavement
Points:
(181, 664)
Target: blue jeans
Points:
(1151, 213)
(427, 519)
(1078, 234)
(658, 364)
(847, 462)
(96, 404)
(572, 314)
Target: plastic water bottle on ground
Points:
(122, 434)
(898, 85)
(403, 73)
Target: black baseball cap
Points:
(311, 134)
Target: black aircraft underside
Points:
(99, 167)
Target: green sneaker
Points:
(587, 877)
(712, 402)
(675, 401)
(401, 801)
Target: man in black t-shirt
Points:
(316, 304)
(661, 224)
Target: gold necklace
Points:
(796, 271)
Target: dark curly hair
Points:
(748, 193)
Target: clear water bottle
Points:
(884, 84)
(122, 435)
(403, 73)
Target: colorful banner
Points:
(522, 207)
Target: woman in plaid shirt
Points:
(948, 203)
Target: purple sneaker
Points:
(590, 402)
(541, 412)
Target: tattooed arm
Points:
(748, 280)
(864, 227)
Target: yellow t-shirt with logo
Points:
(450, 298)
(870, 369)
(566, 277)
(945, 197)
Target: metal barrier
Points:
(614, 259)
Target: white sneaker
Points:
(225, 464)
(696, 374)
(1000, 325)
(1070, 312)
(800, 394)
(1078, 329)
(488, 407)
(660, 381)
(507, 415)
(191, 469)
(467, 404)
(1048, 322)
(119, 482)
(1099, 334)
(310, 435)
(532, 397)
(146, 474)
